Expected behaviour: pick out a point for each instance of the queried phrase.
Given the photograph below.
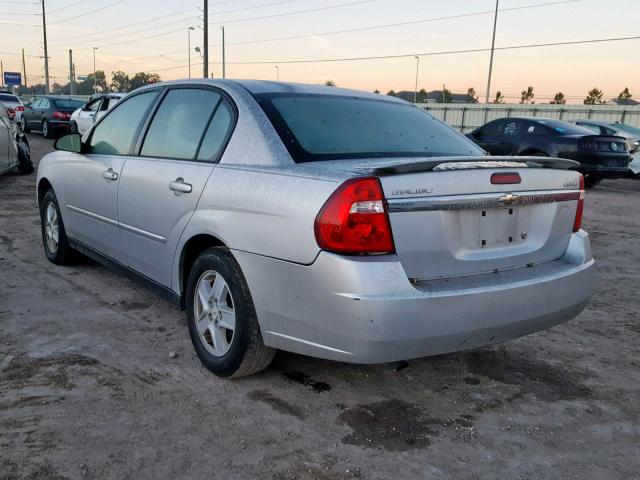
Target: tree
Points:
(527, 96)
(499, 97)
(625, 94)
(330, 83)
(376, 91)
(120, 82)
(141, 79)
(472, 97)
(559, 99)
(391, 93)
(594, 97)
(445, 96)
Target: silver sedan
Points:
(328, 222)
(14, 146)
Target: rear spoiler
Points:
(458, 163)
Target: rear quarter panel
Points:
(267, 213)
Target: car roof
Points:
(257, 87)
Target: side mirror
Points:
(69, 143)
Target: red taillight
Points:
(506, 178)
(61, 115)
(355, 219)
(577, 223)
(11, 112)
(20, 109)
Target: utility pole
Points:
(493, 45)
(2, 73)
(72, 80)
(24, 69)
(277, 73)
(224, 70)
(415, 92)
(46, 50)
(205, 41)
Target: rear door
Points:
(91, 186)
(160, 188)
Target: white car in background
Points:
(13, 104)
(83, 118)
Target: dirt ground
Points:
(88, 388)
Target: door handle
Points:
(110, 175)
(179, 186)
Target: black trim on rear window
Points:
(343, 127)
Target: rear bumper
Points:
(364, 309)
(606, 166)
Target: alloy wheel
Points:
(51, 228)
(214, 312)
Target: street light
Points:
(189, 47)
(415, 92)
(277, 72)
(95, 84)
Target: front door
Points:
(160, 189)
(92, 191)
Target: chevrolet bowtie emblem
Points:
(508, 199)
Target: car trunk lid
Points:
(448, 218)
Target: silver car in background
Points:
(328, 222)
(14, 146)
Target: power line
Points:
(399, 24)
(88, 13)
(219, 12)
(328, 7)
(67, 6)
(442, 52)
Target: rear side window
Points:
(114, 134)
(178, 125)
(327, 127)
(217, 133)
(9, 98)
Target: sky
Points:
(152, 35)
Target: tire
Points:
(591, 180)
(25, 165)
(73, 127)
(241, 351)
(62, 253)
(46, 131)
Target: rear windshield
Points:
(628, 129)
(330, 127)
(565, 128)
(9, 98)
(68, 103)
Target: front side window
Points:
(115, 133)
(178, 125)
(327, 127)
(44, 104)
